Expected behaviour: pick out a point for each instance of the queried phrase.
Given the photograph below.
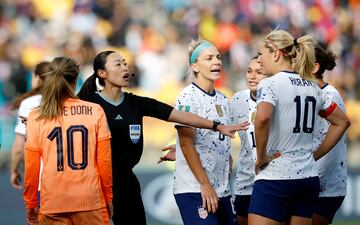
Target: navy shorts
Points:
(281, 199)
(241, 205)
(328, 206)
(192, 213)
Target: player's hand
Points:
(262, 163)
(209, 198)
(229, 130)
(32, 216)
(110, 209)
(170, 155)
(15, 179)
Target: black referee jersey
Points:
(125, 121)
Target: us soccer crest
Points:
(219, 110)
(253, 116)
(203, 213)
(135, 133)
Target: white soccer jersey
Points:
(243, 108)
(333, 166)
(213, 148)
(297, 103)
(26, 106)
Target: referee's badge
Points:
(135, 132)
(203, 213)
(219, 110)
(253, 116)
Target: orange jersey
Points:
(76, 154)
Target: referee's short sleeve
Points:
(154, 108)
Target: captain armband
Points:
(326, 112)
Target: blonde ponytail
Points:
(300, 52)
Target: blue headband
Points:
(198, 49)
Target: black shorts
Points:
(328, 206)
(241, 205)
(127, 201)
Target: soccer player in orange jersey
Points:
(72, 138)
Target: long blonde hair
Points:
(57, 87)
(300, 52)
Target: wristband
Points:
(216, 123)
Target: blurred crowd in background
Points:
(153, 37)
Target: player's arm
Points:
(103, 160)
(31, 183)
(160, 110)
(194, 120)
(105, 171)
(31, 171)
(262, 130)
(208, 194)
(339, 123)
(17, 155)
(31, 177)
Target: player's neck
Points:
(284, 66)
(206, 85)
(320, 82)
(253, 94)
